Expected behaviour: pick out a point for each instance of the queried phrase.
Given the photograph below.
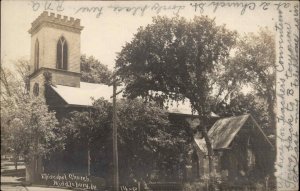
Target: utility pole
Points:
(115, 140)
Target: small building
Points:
(241, 150)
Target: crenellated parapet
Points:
(58, 21)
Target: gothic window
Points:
(36, 55)
(36, 89)
(62, 54)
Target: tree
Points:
(31, 129)
(144, 137)
(89, 126)
(13, 91)
(177, 58)
(244, 104)
(32, 132)
(254, 66)
(23, 70)
(93, 71)
(15, 83)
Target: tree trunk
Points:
(16, 161)
(39, 168)
(16, 164)
(210, 156)
(34, 167)
(30, 171)
(88, 160)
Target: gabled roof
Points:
(82, 96)
(224, 131)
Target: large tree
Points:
(13, 91)
(176, 59)
(31, 130)
(145, 137)
(253, 66)
(89, 127)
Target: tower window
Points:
(62, 54)
(36, 55)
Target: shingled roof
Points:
(223, 132)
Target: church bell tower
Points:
(55, 50)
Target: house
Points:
(241, 151)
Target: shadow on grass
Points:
(18, 173)
(21, 179)
(11, 183)
(12, 164)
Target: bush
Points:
(195, 186)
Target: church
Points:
(55, 61)
(55, 51)
(55, 72)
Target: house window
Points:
(62, 54)
(250, 159)
(36, 89)
(36, 55)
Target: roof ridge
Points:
(236, 116)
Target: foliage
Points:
(23, 70)
(176, 57)
(144, 135)
(93, 71)
(38, 127)
(195, 186)
(253, 66)
(15, 84)
(88, 123)
(89, 128)
(13, 91)
(146, 139)
(244, 104)
(31, 129)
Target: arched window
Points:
(62, 54)
(36, 55)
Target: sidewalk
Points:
(29, 188)
(11, 179)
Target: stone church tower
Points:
(55, 49)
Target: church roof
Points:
(223, 132)
(84, 96)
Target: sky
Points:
(105, 34)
